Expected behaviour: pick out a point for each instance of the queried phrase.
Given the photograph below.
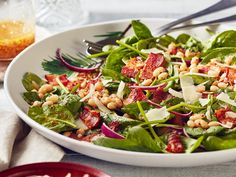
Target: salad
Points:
(159, 94)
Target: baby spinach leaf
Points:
(146, 43)
(30, 97)
(220, 53)
(193, 45)
(141, 31)
(115, 75)
(114, 59)
(191, 144)
(213, 143)
(123, 121)
(133, 110)
(30, 80)
(71, 102)
(224, 39)
(183, 38)
(197, 132)
(138, 139)
(56, 117)
(165, 40)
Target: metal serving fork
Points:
(95, 47)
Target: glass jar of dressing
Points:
(17, 27)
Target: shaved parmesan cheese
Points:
(90, 94)
(204, 101)
(100, 106)
(120, 90)
(157, 114)
(227, 125)
(208, 113)
(190, 94)
(175, 93)
(225, 98)
(230, 114)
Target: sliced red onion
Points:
(185, 133)
(146, 87)
(74, 68)
(110, 133)
(172, 112)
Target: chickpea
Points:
(147, 82)
(222, 85)
(111, 105)
(200, 88)
(196, 116)
(191, 124)
(213, 123)
(53, 98)
(214, 88)
(98, 86)
(158, 71)
(105, 100)
(37, 103)
(163, 76)
(91, 102)
(40, 95)
(47, 103)
(45, 88)
(118, 102)
(67, 134)
(203, 124)
(197, 122)
(180, 54)
(213, 73)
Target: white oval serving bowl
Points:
(30, 61)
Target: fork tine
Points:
(90, 43)
(95, 49)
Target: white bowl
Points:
(30, 61)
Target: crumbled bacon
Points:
(135, 95)
(223, 118)
(91, 118)
(51, 78)
(153, 61)
(132, 67)
(174, 144)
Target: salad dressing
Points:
(14, 37)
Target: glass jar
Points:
(17, 27)
(59, 15)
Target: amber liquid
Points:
(14, 37)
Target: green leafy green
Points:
(165, 40)
(224, 39)
(30, 97)
(71, 102)
(141, 31)
(197, 132)
(183, 38)
(193, 45)
(56, 117)
(138, 139)
(219, 53)
(133, 110)
(191, 144)
(30, 80)
(213, 143)
(123, 121)
(146, 43)
(114, 75)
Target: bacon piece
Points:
(51, 78)
(153, 61)
(174, 144)
(132, 68)
(91, 118)
(135, 95)
(223, 118)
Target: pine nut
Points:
(203, 124)
(196, 116)
(45, 88)
(105, 100)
